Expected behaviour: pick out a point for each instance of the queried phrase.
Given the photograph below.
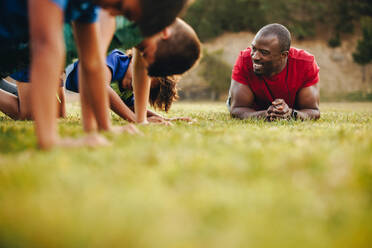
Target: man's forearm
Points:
(308, 114)
(247, 113)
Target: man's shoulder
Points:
(300, 55)
(246, 53)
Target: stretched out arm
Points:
(93, 92)
(241, 102)
(151, 113)
(141, 86)
(119, 107)
(46, 25)
(307, 103)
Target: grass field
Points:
(215, 183)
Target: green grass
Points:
(216, 183)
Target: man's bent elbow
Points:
(316, 115)
(313, 114)
(234, 113)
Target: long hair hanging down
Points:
(164, 94)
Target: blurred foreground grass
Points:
(215, 183)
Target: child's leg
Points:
(17, 107)
(61, 102)
(9, 104)
(24, 99)
(8, 87)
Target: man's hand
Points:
(279, 110)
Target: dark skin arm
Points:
(307, 105)
(242, 101)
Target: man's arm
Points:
(141, 87)
(47, 59)
(241, 102)
(307, 103)
(93, 92)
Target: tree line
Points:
(210, 18)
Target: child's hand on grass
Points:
(90, 140)
(130, 128)
(159, 120)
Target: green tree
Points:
(211, 18)
(363, 53)
(216, 72)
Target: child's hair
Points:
(156, 15)
(162, 96)
(178, 53)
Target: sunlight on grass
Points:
(215, 183)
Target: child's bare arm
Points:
(141, 86)
(107, 25)
(153, 113)
(93, 92)
(46, 24)
(119, 107)
(155, 117)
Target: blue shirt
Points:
(14, 16)
(14, 30)
(118, 63)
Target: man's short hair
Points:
(281, 32)
(178, 53)
(158, 14)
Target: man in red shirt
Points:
(271, 80)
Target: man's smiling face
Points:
(267, 57)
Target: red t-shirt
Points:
(303, 71)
